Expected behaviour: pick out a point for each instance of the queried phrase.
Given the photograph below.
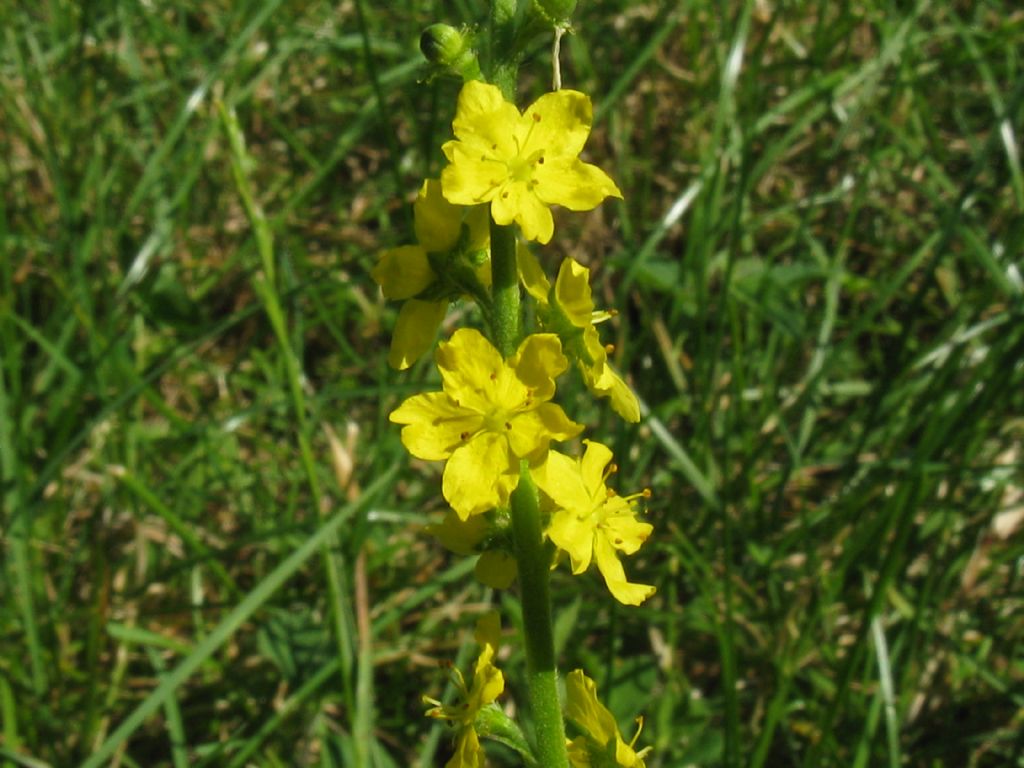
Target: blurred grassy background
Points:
(213, 551)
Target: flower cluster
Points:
(487, 685)
(494, 420)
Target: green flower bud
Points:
(449, 48)
(555, 12)
(442, 44)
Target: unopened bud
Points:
(445, 46)
(441, 44)
(555, 12)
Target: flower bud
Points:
(555, 12)
(449, 48)
(441, 44)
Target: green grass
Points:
(213, 547)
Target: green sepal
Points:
(492, 723)
(456, 274)
(554, 320)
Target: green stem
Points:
(533, 557)
(504, 288)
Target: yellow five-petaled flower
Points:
(491, 414)
(568, 310)
(590, 521)
(521, 163)
(601, 745)
(488, 683)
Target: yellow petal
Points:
(480, 475)
(438, 223)
(488, 682)
(556, 423)
(495, 569)
(579, 756)
(625, 533)
(603, 381)
(479, 222)
(468, 752)
(574, 534)
(484, 119)
(572, 290)
(488, 630)
(538, 362)
(615, 577)
(517, 202)
(559, 477)
(532, 431)
(403, 272)
(598, 355)
(583, 708)
(459, 536)
(626, 757)
(435, 425)
(560, 123)
(469, 366)
(483, 274)
(596, 457)
(622, 398)
(534, 280)
(577, 185)
(470, 179)
(415, 331)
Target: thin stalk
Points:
(504, 61)
(533, 557)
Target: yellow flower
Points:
(408, 273)
(522, 163)
(601, 745)
(568, 310)
(491, 414)
(495, 567)
(488, 683)
(592, 522)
